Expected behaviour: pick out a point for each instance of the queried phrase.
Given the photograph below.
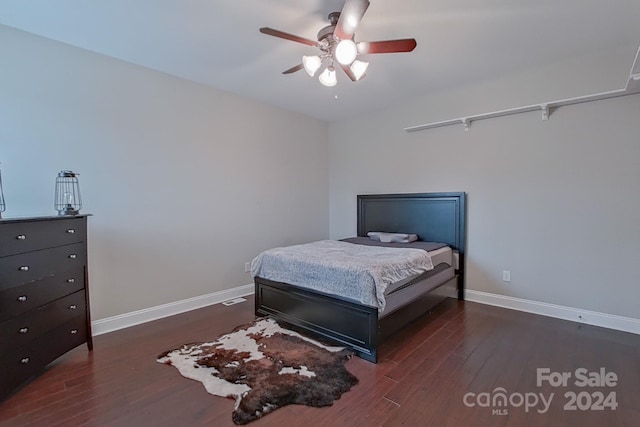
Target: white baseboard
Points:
(110, 324)
(611, 321)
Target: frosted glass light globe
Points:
(346, 52)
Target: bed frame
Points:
(436, 217)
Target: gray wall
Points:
(186, 183)
(555, 202)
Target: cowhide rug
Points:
(265, 367)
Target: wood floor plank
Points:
(424, 374)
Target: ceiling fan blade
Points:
(350, 18)
(287, 36)
(386, 46)
(348, 72)
(293, 69)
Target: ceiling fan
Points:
(338, 47)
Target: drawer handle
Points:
(24, 268)
(22, 298)
(24, 360)
(23, 330)
(21, 237)
(73, 331)
(73, 256)
(71, 280)
(71, 231)
(73, 307)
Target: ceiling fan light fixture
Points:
(311, 64)
(358, 68)
(336, 44)
(328, 77)
(346, 52)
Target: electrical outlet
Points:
(506, 276)
(247, 267)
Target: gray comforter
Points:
(360, 273)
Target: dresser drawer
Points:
(16, 270)
(18, 366)
(22, 363)
(22, 330)
(20, 237)
(20, 299)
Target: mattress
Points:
(315, 266)
(400, 293)
(360, 273)
(439, 256)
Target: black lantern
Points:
(3, 206)
(68, 200)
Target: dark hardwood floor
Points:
(430, 374)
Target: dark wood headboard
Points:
(434, 217)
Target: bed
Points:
(434, 217)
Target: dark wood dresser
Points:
(44, 299)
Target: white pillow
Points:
(381, 236)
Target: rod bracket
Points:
(545, 111)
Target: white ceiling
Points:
(217, 43)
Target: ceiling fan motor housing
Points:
(326, 33)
